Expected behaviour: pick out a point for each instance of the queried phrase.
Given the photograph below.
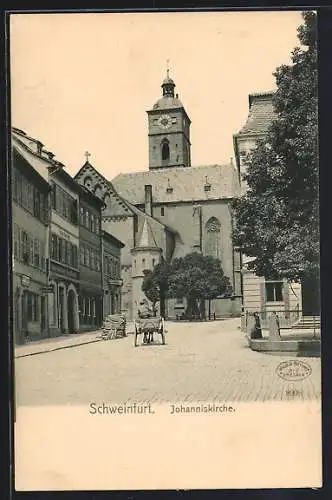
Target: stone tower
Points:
(169, 130)
(145, 255)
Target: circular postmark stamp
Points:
(293, 370)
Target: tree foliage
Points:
(155, 284)
(194, 277)
(197, 276)
(277, 219)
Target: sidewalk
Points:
(62, 342)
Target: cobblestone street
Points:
(199, 362)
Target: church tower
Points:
(145, 255)
(169, 130)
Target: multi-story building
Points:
(112, 282)
(30, 218)
(58, 246)
(64, 251)
(261, 293)
(90, 261)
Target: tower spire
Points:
(168, 84)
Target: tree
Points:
(277, 220)
(197, 278)
(155, 285)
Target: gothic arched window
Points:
(165, 150)
(213, 238)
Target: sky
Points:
(83, 82)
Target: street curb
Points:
(57, 348)
(62, 347)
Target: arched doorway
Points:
(72, 311)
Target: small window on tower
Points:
(162, 211)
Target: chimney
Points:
(148, 199)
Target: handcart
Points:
(148, 327)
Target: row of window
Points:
(90, 257)
(29, 196)
(89, 220)
(112, 266)
(64, 204)
(64, 251)
(28, 249)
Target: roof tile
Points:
(179, 184)
(261, 113)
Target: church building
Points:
(170, 209)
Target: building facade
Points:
(64, 255)
(180, 207)
(112, 281)
(90, 261)
(259, 293)
(58, 245)
(30, 219)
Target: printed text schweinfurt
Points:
(125, 409)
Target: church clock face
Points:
(165, 121)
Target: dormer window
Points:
(169, 188)
(207, 185)
(39, 147)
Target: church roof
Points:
(175, 184)
(261, 113)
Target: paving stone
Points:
(200, 362)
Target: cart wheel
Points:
(162, 332)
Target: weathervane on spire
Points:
(167, 67)
(87, 154)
